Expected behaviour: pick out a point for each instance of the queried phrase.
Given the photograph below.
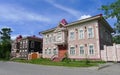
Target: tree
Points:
(5, 44)
(113, 11)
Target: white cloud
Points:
(84, 16)
(13, 37)
(64, 8)
(16, 13)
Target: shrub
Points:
(66, 59)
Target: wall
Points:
(111, 53)
(86, 41)
(105, 35)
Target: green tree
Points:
(113, 11)
(5, 44)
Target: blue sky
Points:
(28, 17)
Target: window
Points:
(26, 44)
(32, 50)
(25, 50)
(49, 51)
(91, 49)
(20, 44)
(72, 35)
(32, 44)
(25, 55)
(81, 49)
(81, 34)
(72, 50)
(90, 33)
(55, 51)
(59, 36)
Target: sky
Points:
(29, 17)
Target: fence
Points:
(34, 55)
(111, 53)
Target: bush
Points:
(66, 59)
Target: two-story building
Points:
(79, 40)
(26, 45)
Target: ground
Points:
(13, 68)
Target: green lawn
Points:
(42, 61)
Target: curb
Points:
(104, 65)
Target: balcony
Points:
(60, 37)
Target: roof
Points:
(48, 30)
(97, 17)
(29, 38)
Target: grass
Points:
(42, 61)
(3, 59)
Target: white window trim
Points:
(88, 32)
(79, 33)
(56, 51)
(49, 50)
(69, 50)
(60, 36)
(70, 35)
(89, 49)
(83, 49)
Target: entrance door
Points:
(62, 51)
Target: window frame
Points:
(59, 34)
(83, 50)
(81, 34)
(49, 51)
(32, 44)
(92, 33)
(89, 51)
(55, 50)
(73, 38)
(71, 53)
